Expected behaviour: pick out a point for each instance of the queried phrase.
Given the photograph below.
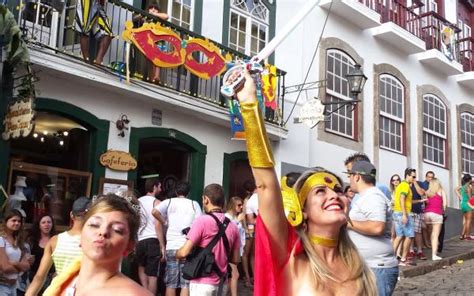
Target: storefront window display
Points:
(48, 169)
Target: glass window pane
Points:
(242, 24)
(186, 18)
(254, 30)
(262, 34)
(234, 18)
(242, 39)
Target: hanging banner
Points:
(448, 42)
(165, 49)
(19, 120)
(269, 86)
(236, 121)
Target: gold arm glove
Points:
(258, 146)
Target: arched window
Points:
(249, 23)
(392, 113)
(341, 120)
(467, 143)
(434, 130)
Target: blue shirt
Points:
(418, 207)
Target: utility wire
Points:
(311, 64)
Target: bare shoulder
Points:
(125, 286)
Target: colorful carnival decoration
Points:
(269, 86)
(214, 63)
(448, 42)
(165, 48)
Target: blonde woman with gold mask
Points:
(302, 247)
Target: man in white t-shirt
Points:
(370, 227)
(149, 249)
(178, 213)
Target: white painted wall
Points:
(390, 163)
(212, 14)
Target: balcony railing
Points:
(432, 25)
(396, 12)
(54, 29)
(427, 26)
(466, 53)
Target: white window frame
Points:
(466, 31)
(180, 22)
(340, 96)
(469, 117)
(391, 117)
(436, 134)
(250, 19)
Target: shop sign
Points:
(19, 119)
(311, 113)
(118, 160)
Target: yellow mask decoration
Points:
(293, 202)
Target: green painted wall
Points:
(197, 152)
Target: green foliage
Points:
(10, 38)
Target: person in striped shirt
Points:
(62, 249)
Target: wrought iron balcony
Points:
(396, 12)
(53, 28)
(466, 53)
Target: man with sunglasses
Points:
(402, 215)
(371, 226)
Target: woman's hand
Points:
(248, 93)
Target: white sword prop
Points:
(234, 78)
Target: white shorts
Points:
(205, 289)
(433, 218)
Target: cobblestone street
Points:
(457, 279)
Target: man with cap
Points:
(370, 227)
(62, 249)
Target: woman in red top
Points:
(312, 255)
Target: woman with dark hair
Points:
(310, 253)
(109, 232)
(14, 257)
(349, 193)
(464, 193)
(41, 232)
(394, 182)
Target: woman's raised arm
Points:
(270, 204)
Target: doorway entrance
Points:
(170, 159)
(170, 153)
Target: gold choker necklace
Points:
(323, 241)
